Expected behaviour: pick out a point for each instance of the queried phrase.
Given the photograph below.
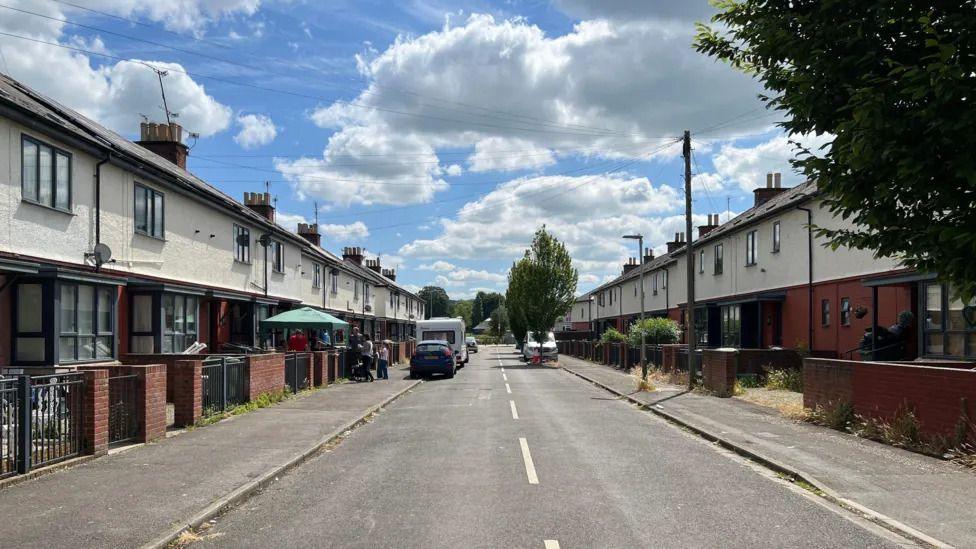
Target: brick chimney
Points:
(709, 227)
(374, 265)
(390, 273)
(677, 243)
(353, 254)
(166, 140)
(310, 232)
(260, 203)
(774, 186)
(630, 265)
(648, 255)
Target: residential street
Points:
(445, 466)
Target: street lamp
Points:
(640, 255)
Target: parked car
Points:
(450, 330)
(432, 357)
(472, 344)
(547, 350)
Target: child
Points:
(384, 361)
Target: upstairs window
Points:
(316, 275)
(750, 248)
(654, 284)
(845, 311)
(701, 261)
(334, 284)
(355, 295)
(664, 279)
(149, 211)
(776, 237)
(277, 257)
(825, 312)
(242, 244)
(45, 174)
(718, 251)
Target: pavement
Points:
(514, 455)
(929, 498)
(150, 492)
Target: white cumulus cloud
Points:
(256, 130)
(341, 233)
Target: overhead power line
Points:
(509, 117)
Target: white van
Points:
(446, 329)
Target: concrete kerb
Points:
(243, 492)
(795, 473)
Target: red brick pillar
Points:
(266, 373)
(332, 367)
(95, 412)
(187, 391)
(151, 401)
(320, 365)
(718, 371)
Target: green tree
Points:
(499, 321)
(478, 310)
(436, 301)
(657, 331)
(462, 309)
(892, 82)
(545, 284)
(490, 302)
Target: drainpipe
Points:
(98, 198)
(809, 273)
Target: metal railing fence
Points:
(298, 368)
(224, 381)
(123, 423)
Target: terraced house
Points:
(764, 279)
(109, 247)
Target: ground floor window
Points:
(701, 326)
(58, 321)
(179, 322)
(731, 325)
(949, 326)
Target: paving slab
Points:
(131, 498)
(929, 495)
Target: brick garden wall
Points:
(95, 412)
(940, 397)
(753, 361)
(169, 360)
(187, 391)
(266, 373)
(718, 371)
(150, 395)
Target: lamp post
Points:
(640, 254)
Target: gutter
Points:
(809, 273)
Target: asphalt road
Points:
(448, 465)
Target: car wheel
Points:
(414, 376)
(450, 374)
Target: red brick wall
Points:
(266, 373)
(718, 371)
(753, 361)
(187, 391)
(827, 382)
(95, 411)
(669, 357)
(169, 360)
(936, 394)
(320, 368)
(878, 390)
(151, 401)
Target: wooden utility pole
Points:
(690, 266)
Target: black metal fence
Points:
(41, 420)
(123, 423)
(224, 383)
(298, 369)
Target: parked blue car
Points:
(432, 357)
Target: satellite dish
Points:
(103, 254)
(265, 239)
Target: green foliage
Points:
(462, 309)
(836, 415)
(262, 401)
(541, 287)
(436, 301)
(656, 331)
(785, 379)
(611, 336)
(499, 321)
(891, 81)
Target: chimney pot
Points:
(777, 180)
(769, 180)
(166, 140)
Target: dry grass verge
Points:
(787, 403)
(640, 383)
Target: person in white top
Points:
(383, 363)
(367, 356)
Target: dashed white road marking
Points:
(505, 377)
(527, 458)
(508, 389)
(503, 369)
(551, 543)
(514, 410)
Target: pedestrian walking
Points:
(383, 362)
(367, 356)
